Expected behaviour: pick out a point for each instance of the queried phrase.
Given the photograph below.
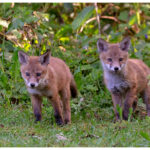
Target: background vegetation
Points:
(70, 31)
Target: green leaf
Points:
(82, 17)
(123, 16)
(65, 30)
(130, 114)
(87, 40)
(4, 80)
(145, 135)
(16, 23)
(142, 32)
(64, 39)
(31, 19)
(1, 28)
(85, 67)
(68, 7)
(119, 109)
(91, 87)
(133, 20)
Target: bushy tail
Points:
(73, 88)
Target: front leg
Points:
(55, 100)
(130, 100)
(36, 105)
(117, 100)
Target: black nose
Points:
(32, 85)
(116, 68)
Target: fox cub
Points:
(50, 77)
(125, 78)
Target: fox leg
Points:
(65, 95)
(130, 102)
(36, 105)
(146, 98)
(134, 105)
(56, 103)
(117, 100)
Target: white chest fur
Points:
(116, 83)
(46, 93)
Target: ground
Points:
(18, 129)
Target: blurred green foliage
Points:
(70, 31)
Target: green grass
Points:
(88, 129)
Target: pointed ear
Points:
(102, 45)
(23, 57)
(45, 58)
(125, 44)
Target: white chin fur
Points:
(26, 82)
(122, 66)
(107, 67)
(34, 91)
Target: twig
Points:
(94, 18)
(88, 21)
(146, 17)
(110, 17)
(97, 17)
(2, 34)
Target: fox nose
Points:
(32, 85)
(116, 68)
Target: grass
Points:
(88, 129)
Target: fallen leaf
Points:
(1, 125)
(61, 137)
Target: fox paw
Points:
(37, 117)
(59, 120)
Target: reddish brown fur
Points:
(126, 83)
(56, 84)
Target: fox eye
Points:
(38, 74)
(120, 59)
(109, 59)
(27, 74)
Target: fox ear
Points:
(23, 57)
(125, 44)
(102, 45)
(45, 58)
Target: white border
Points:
(75, 1)
(78, 148)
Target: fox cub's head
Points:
(33, 68)
(113, 56)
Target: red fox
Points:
(125, 78)
(50, 77)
